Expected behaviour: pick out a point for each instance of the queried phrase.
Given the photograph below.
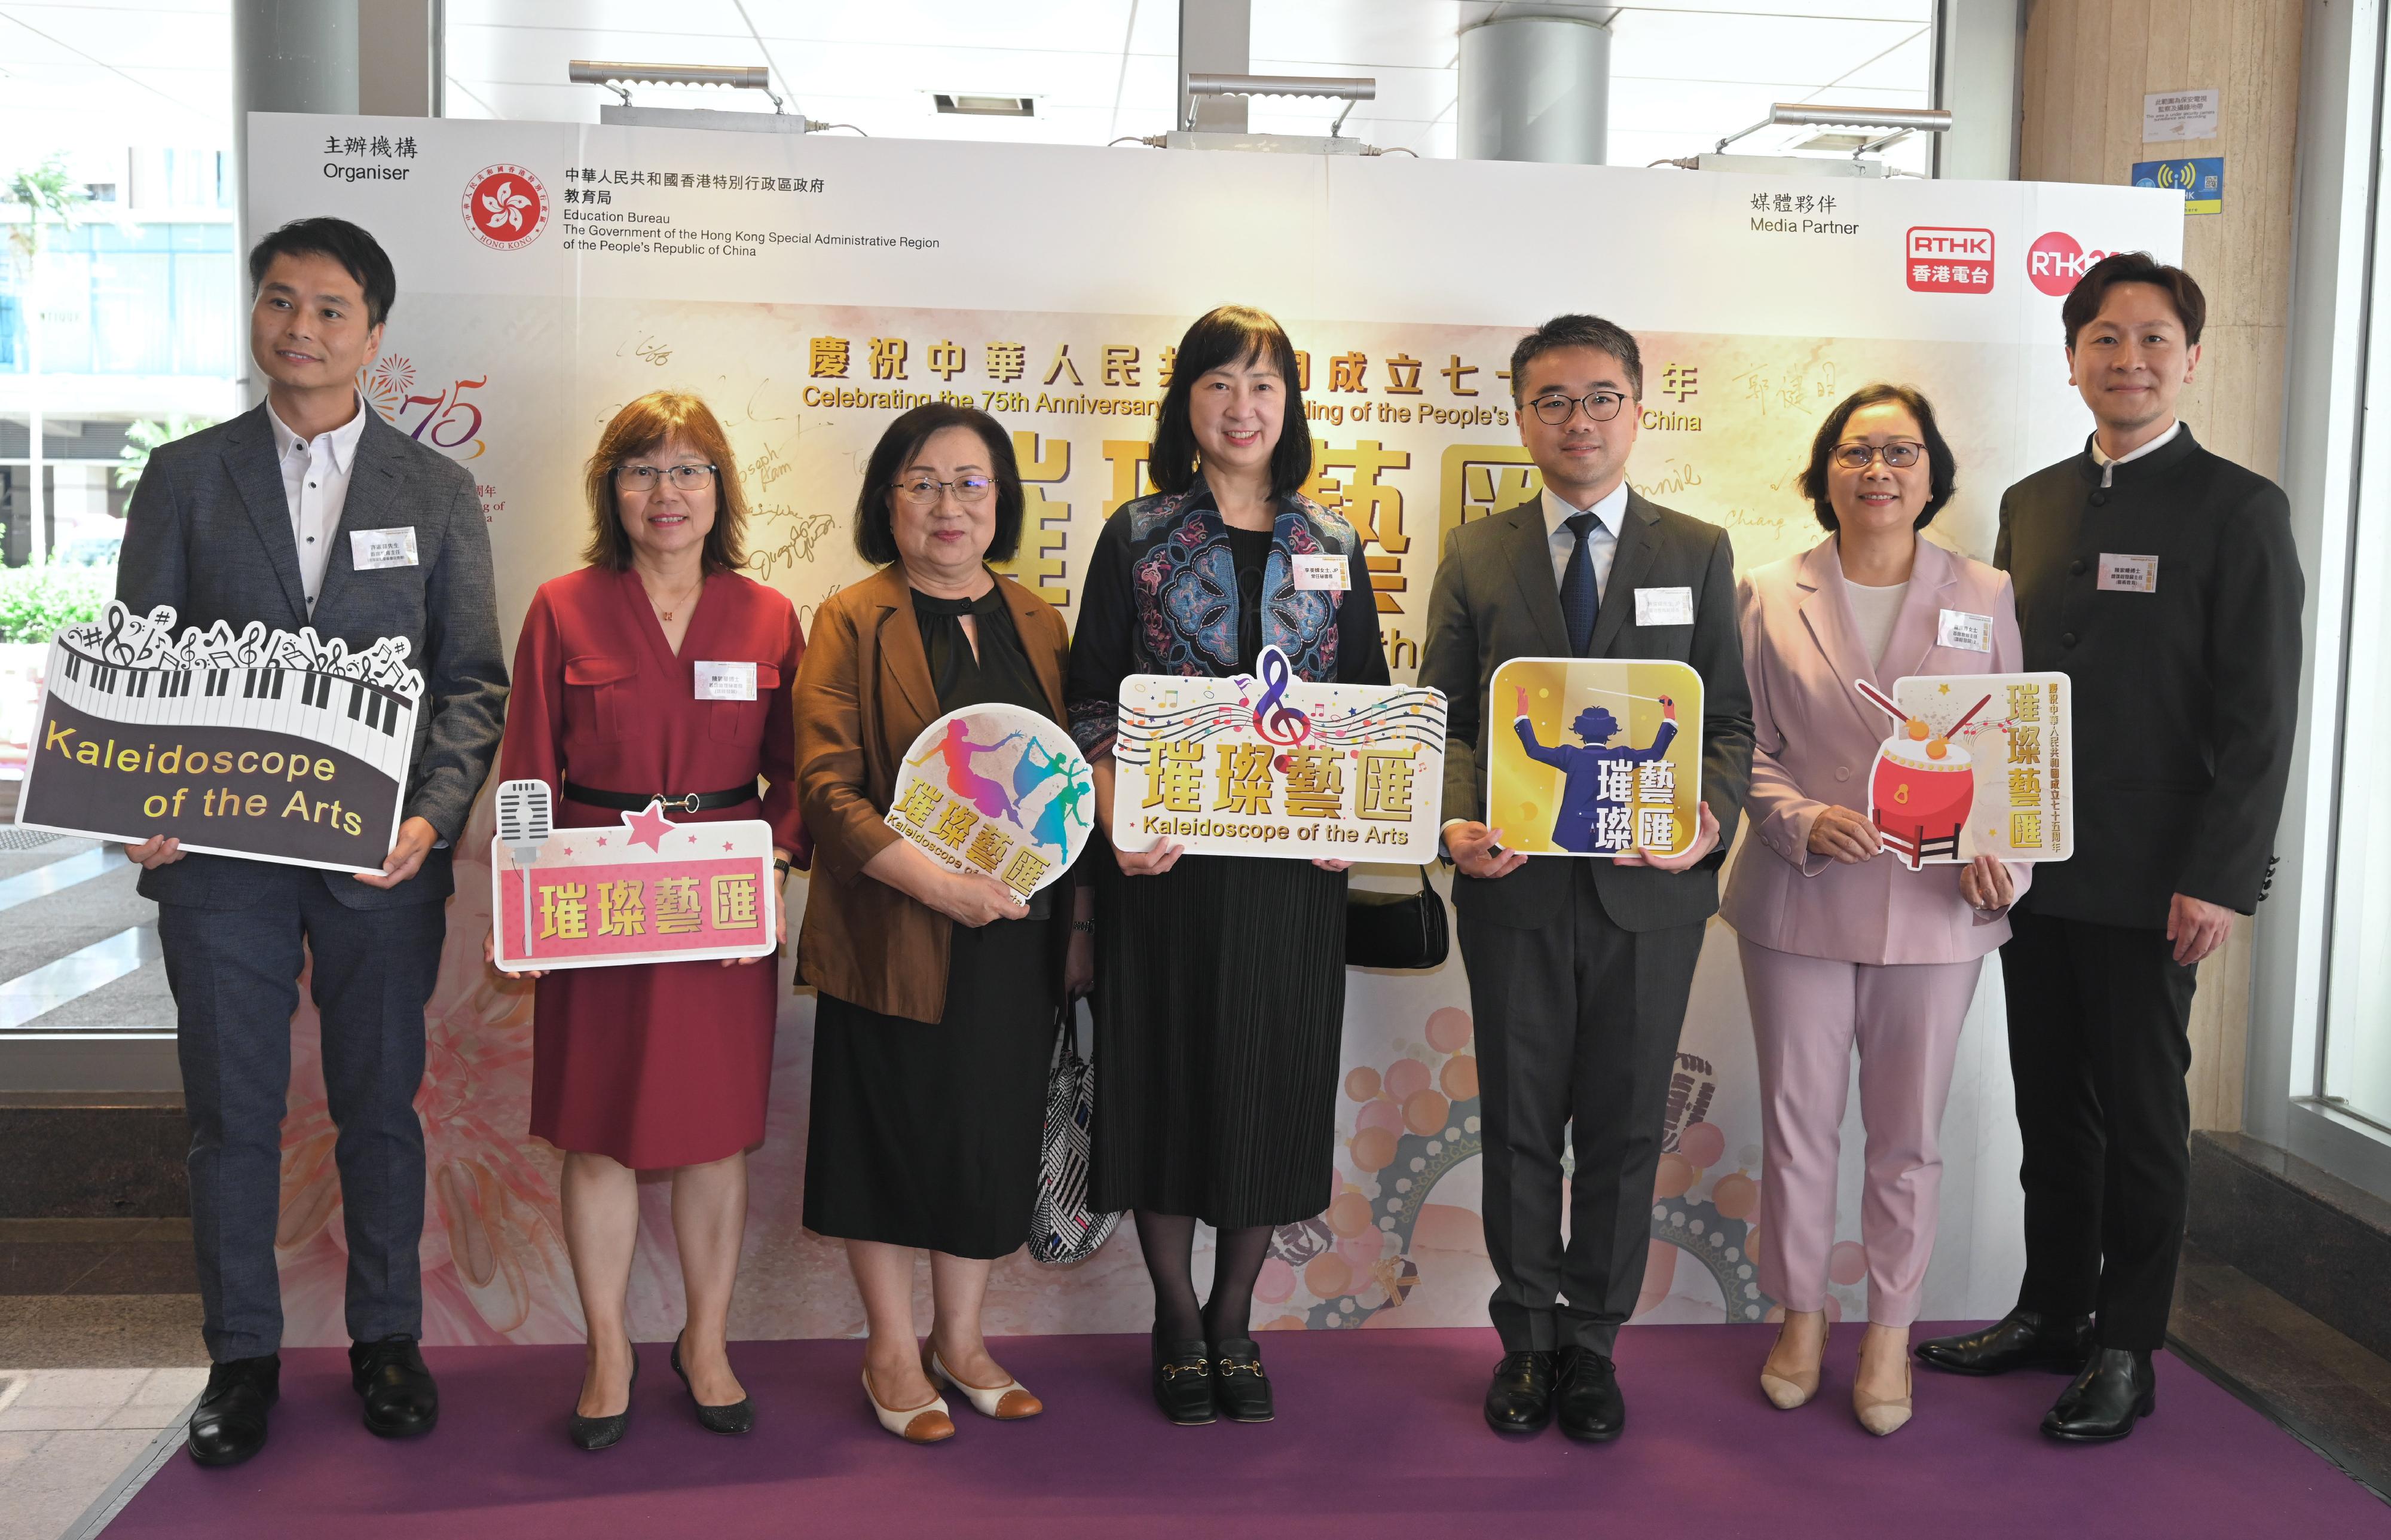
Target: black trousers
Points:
(1577, 1022)
(2099, 1049)
(235, 974)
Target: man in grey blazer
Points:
(255, 519)
(1578, 968)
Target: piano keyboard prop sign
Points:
(644, 891)
(268, 745)
(998, 789)
(1975, 765)
(1278, 765)
(1595, 756)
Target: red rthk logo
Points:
(1942, 259)
(2055, 261)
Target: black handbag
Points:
(1406, 930)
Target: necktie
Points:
(1580, 598)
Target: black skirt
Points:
(927, 1134)
(1220, 1005)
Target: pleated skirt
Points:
(1221, 1004)
(927, 1133)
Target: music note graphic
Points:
(1274, 719)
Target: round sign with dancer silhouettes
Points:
(996, 789)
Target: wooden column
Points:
(2086, 66)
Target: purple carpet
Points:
(1378, 1435)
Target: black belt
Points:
(633, 802)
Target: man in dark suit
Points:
(2164, 582)
(253, 520)
(1578, 968)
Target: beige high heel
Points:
(927, 1423)
(1784, 1394)
(1883, 1415)
(1010, 1401)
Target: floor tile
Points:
(40, 1496)
(102, 1331)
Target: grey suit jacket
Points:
(1495, 600)
(209, 532)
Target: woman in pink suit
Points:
(1843, 944)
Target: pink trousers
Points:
(1806, 1015)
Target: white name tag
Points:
(2128, 574)
(1664, 607)
(726, 680)
(1321, 573)
(372, 550)
(1965, 632)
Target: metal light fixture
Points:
(1902, 121)
(617, 76)
(1346, 89)
(981, 106)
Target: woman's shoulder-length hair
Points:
(1941, 466)
(641, 427)
(876, 532)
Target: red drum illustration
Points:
(1920, 794)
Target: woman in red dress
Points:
(661, 1065)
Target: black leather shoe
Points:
(1520, 1399)
(2116, 1389)
(594, 1433)
(1239, 1386)
(2021, 1340)
(401, 1400)
(737, 1417)
(1592, 1410)
(1183, 1380)
(228, 1425)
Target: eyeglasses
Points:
(1556, 409)
(922, 491)
(1900, 454)
(642, 478)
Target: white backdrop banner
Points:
(811, 288)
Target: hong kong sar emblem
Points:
(506, 206)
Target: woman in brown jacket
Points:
(938, 989)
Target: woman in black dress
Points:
(1221, 991)
(938, 989)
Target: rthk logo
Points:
(2055, 261)
(505, 206)
(1945, 261)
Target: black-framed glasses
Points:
(1555, 408)
(922, 492)
(643, 478)
(1900, 454)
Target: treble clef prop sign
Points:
(1272, 763)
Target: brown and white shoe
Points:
(927, 1423)
(1010, 1401)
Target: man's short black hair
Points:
(1578, 331)
(1941, 466)
(2091, 291)
(875, 527)
(345, 243)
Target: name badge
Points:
(374, 550)
(2128, 574)
(1321, 573)
(1664, 607)
(726, 680)
(1965, 632)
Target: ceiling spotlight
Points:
(985, 106)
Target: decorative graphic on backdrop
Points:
(1277, 766)
(650, 890)
(996, 789)
(1976, 764)
(273, 745)
(1595, 756)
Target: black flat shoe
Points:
(1239, 1386)
(1183, 1380)
(737, 1417)
(228, 1425)
(401, 1399)
(2116, 1389)
(1587, 1399)
(2021, 1340)
(594, 1433)
(1520, 1399)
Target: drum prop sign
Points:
(1976, 764)
(276, 746)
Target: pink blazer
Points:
(1814, 742)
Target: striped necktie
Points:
(1581, 600)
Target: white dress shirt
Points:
(316, 481)
(1601, 542)
(2153, 447)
